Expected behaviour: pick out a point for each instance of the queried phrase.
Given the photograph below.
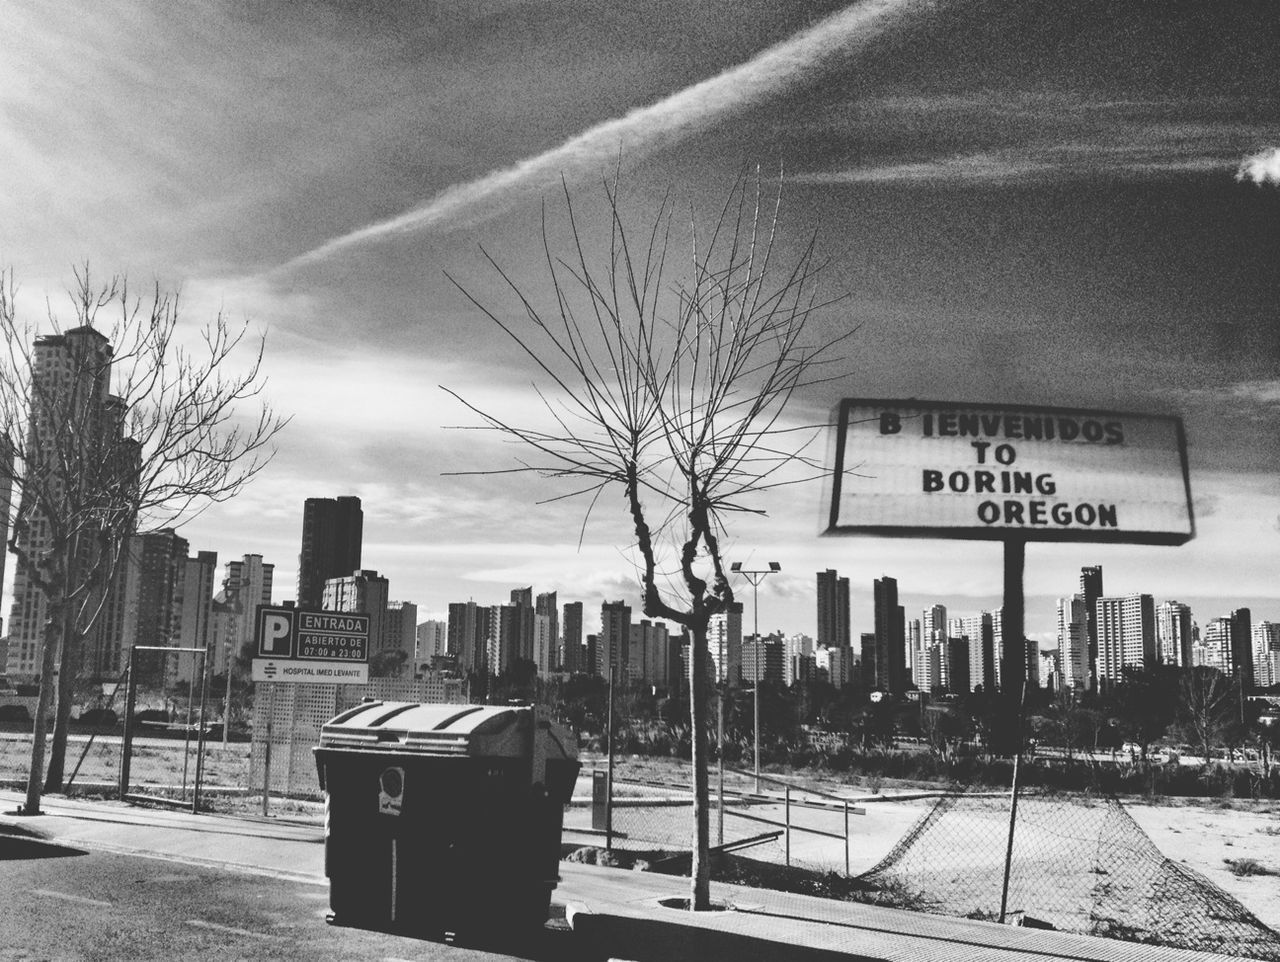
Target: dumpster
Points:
(444, 819)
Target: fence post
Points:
(266, 757)
(126, 740)
(846, 838)
(786, 808)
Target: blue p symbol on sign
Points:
(275, 637)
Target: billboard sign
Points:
(955, 470)
(326, 647)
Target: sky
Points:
(1071, 205)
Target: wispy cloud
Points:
(1031, 163)
(640, 132)
(1262, 168)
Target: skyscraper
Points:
(468, 629)
(246, 584)
(75, 422)
(833, 610)
(613, 649)
(1173, 634)
(724, 643)
(1091, 591)
(979, 631)
(890, 625)
(1073, 643)
(332, 534)
(1126, 635)
(363, 591)
(573, 658)
(1242, 648)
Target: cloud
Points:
(638, 133)
(1262, 168)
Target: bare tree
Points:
(109, 423)
(668, 385)
(1207, 707)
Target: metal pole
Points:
(204, 695)
(1015, 651)
(786, 809)
(720, 790)
(186, 731)
(755, 591)
(846, 838)
(266, 758)
(608, 801)
(1013, 813)
(126, 740)
(226, 707)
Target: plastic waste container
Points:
(444, 819)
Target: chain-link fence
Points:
(1079, 862)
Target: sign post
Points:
(1014, 474)
(295, 646)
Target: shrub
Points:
(1248, 866)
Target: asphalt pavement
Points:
(611, 913)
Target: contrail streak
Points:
(640, 132)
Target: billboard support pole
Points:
(1013, 677)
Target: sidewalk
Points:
(616, 914)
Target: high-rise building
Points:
(724, 642)
(400, 629)
(363, 591)
(890, 625)
(1215, 645)
(164, 556)
(1073, 644)
(1173, 634)
(650, 653)
(1242, 648)
(1126, 635)
(1091, 591)
(199, 575)
(332, 535)
(763, 658)
(980, 634)
(431, 641)
(573, 657)
(799, 648)
(70, 385)
(246, 584)
(613, 647)
(546, 632)
(1266, 653)
(468, 629)
(833, 609)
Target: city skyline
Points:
(1086, 216)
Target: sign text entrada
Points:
(958, 470)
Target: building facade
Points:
(332, 538)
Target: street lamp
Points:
(755, 576)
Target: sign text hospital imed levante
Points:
(942, 469)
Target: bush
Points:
(1248, 866)
(14, 713)
(99, 718)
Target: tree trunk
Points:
(700, 868)
(48, 663)
(68, 670)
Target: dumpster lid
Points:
(489, 730)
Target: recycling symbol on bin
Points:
(390, 791)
